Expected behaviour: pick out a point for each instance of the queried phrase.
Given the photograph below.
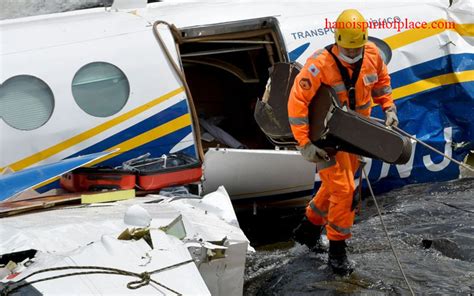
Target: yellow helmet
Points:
(351, 29)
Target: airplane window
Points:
(26, 102)
(384, 49)
(100, 89)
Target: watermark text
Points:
(395, 23)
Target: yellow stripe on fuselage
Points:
(430, 83)
(426, 84)
(42, 155)
(414, 35)
(465, 29)
(151, 135)
(146, 137)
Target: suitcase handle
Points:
(102, 177)
(103, 187)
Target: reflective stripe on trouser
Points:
(332, 203)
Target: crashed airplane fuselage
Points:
(80, 82)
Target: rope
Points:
(468, 167)
(386, 233)
(144, 277)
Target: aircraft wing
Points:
(18, 182)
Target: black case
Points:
(331, 127)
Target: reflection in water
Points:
(431, 227)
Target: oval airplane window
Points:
(26, 102)
(385, 50)
(100, 89)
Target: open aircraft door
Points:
(227, 68)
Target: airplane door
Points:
(245, 173)
(163, 33)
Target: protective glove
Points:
(313, 153)
(391, 118)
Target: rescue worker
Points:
(366, 79)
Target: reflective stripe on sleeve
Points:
(377, 92)
(298, 120)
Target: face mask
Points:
(348, 59)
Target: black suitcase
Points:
(332, 127)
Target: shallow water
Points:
(431, 227)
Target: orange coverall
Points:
(332, 203)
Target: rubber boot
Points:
(337, 259)
(306, 233)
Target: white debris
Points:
(137, 216)
(210, 255)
